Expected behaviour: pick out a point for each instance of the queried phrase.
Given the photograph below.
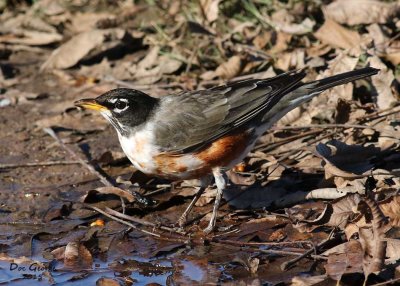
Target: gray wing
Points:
(191, 120)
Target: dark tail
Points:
(308, 90)
(323, 84)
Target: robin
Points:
(196, 133)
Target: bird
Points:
(193, 134)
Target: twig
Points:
(91, 169)
(377, 114)
(387, 282)
(37, 164)
(234, 242)
(122, 221)
(264, 147)
(294, 151)
(286, 265)
(140, 221)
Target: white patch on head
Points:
(117, 110)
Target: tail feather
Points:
(309, 90)
(343, 78)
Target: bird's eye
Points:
(119, 104)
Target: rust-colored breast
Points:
(218, 154)
(225, 150)
(167, 163)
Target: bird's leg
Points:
(183, 219)
(221, 184)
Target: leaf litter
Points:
(315, 203)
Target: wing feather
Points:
(191, 120)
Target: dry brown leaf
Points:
(251, 264)
(70, 53)
(389, 136)
(226, 70)
(86, 21)
(382, 83)
(153, 66)
(392, 250)
(337, 36)
(355, 12)
(210, 9)
(307, 280)
(31, 38)
(262, 39)
(348, 161)
(105, 281)
(77, 256)
(391, 208)
(229, 69)
(373, 240)
(291, 60)
(344, 259)
(50, 7)
(74, 121)
(337, 214)
(281, 44)
(207, 197)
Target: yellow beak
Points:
(90, 103)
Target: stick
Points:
(286, 265)
(91, 169)
(122, 221)
(105, 181)
(140, 221)
(37, 164)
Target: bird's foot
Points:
(182, 221)
(209, 228)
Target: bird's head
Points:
(124, 108)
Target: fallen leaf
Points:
(31, 38)
(346, 161)
(226, 70)
(391, 209)
(285, 22)
(373, 240)
(344, 260)
(337, 214)
(229, 69)
(308, 280)
(153, 66)
(355, 12)
(337, 36)
(104, 281)
(281, 43)
(70, 53)
(382, 83)
(77, 256)
(251, 264)
(71, 120)
(210, 9)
